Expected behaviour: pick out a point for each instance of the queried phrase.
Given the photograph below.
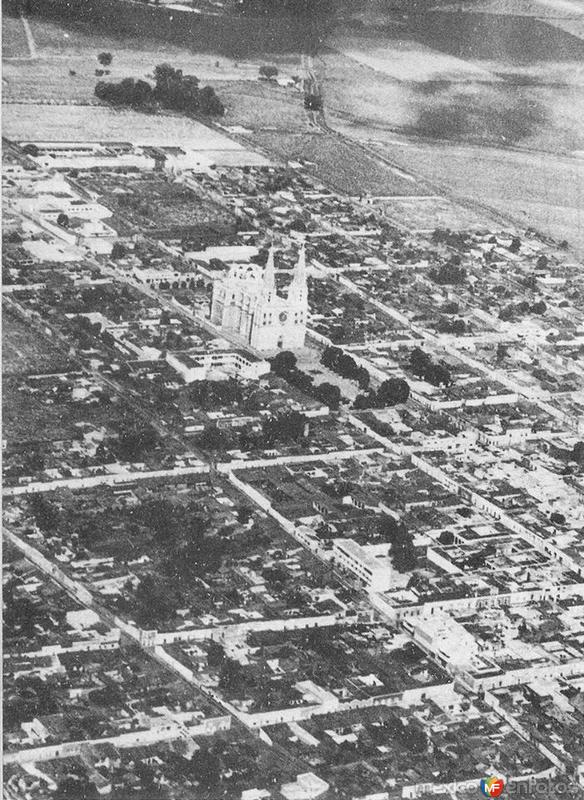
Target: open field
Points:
(407, 60)
(491, 114)
(25, 352)
(568, 15)
(377, 81)
(423, 214)
(63, 48)
(356, 92)
(14, 44)
(97, 123)
(544, 192)
(501, 37)
(262, 106)
(338, 163)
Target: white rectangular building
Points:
(374, 571)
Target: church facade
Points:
(245, 304)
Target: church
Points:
(245, 304)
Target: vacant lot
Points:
(25, 352)
(262, 106)
(148, 203)
(425, 214)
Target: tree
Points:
(438, 375)
(539, 307)
(162, 517)
(268, 71)
(105, 59)
(515, 245)
(363, 401)
(283, 363)
(45, 512)
(363, 378)
(419, 362)
(215, 654)
(200, 555)
(450, 273)
(118, 251)
(578, 453)
(135, 442)
(286, 427)
(329, 394)
(63, 220)
(213, 438)
(155, 604)
(75, 787)
(403, 552)
(31, 150)
(205, 767)
(392, 392)
(230, 676)
(165, 76)
(209, 103)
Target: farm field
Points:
(97, 123)
(14, 43)
(406, 60)
(262, 106)
(490, 120)
(67, 60)
(398, 84)
(568, 15)
(339, 163)
(544, 192)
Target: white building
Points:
(217, 364)
(372, 570)
(306, 787)
(245, 303)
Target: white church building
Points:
(245, 303)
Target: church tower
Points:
(246, 303)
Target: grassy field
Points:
(425, 214)
(400, 85)
(406, 60)
(542, 192)
(496, 121)
(339, 163)
(97, 123)
(25, 352)
(261, 106)
(66, 48)
(568, 15)
(14, 44)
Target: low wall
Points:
(161, 733)
(224, 631)
(299, 713)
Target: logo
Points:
(492, 787)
